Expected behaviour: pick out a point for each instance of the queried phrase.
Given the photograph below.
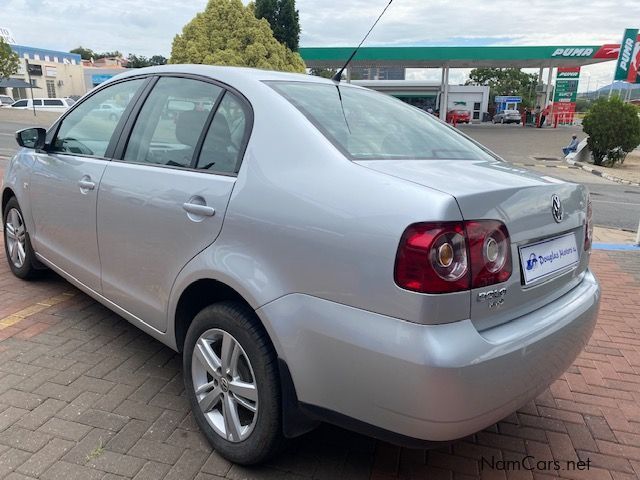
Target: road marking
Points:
(616, 203)
(38, 307)
(8, 134)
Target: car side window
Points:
(171, 121)
(87, 130)
(53, 103)
(20, 103)
(223, 144)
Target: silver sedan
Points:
(317, 252)
(507, 116)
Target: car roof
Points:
(230, 75)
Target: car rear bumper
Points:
(426, 382)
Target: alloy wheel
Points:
(16, 237)
(225, 385)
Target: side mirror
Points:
(31, 138)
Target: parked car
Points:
(109, 110)
(507, 116)
(48, 104)
(317, 251)
(458, 116)
(6, 100)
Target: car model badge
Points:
(556, 208)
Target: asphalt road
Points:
(614, 205)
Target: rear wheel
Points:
(17, 246)
(230, 374)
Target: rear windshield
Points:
(366, 125)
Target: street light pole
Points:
(33, 103)
(588, 82)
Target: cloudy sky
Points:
(147, 27)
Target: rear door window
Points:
(224, 144)
(171, 122)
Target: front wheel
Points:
(231, 379)
(17, 246)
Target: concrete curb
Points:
(588, 168)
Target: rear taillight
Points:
(446, 257)
(490, 252)
(588, 226)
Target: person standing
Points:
(543, 115)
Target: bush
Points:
(613, 128)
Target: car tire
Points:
(17, 244)
(226, 418)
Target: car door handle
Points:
(199, 210)
(86, 184)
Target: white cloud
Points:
(147, 27)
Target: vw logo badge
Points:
(556, 208)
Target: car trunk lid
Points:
(522, 200)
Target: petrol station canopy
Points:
(461, 57)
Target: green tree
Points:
(158, 60)
(139, 61)
(613, 128)
(85, 53)
(9, 61)
(115, 54)
(506, 81)
(283, 18)
(228, 33)
(583, 104)
(88, 54)
(323, 72)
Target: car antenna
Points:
(338, 75)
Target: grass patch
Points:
(96, 452)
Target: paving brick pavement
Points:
(85, 395)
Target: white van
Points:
(48, 104)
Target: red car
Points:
(458, 116)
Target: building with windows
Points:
(52, 73)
